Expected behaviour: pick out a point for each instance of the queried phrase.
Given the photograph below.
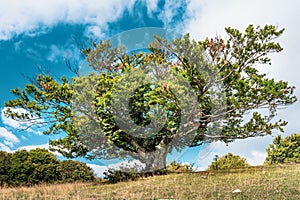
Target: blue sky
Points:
(44, 33)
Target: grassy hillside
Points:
(280, 182)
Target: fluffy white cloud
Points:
(257, 157)
(152, 5)
(8, 143)
(169, 11)
(209, 18)
(98, 169)
(3, 147)
(94, 32)
(18, 124)
(9, 137)
(34, 17)
(9, 121)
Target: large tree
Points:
(176, 94)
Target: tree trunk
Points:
(154, 160)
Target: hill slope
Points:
(280, 182)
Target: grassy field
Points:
(280, 182)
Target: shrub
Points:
(284, 150)
(72, 171)
(45, 166)
(22, 168)
(228, 161)
(119, 175)
(128, 173)
(179, 167)
(4, 167)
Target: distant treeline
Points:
(25, 168)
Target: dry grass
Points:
(281, 182)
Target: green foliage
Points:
(40, 166)
(82, 107)
(228, 161)
(4, 167)
(178, 167)
(131, 173)
(44, 164)
(20, 168)
(72, 171)
(115, 176)
(284, 150)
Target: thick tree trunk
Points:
(154, 160)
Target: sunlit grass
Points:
(280, 182)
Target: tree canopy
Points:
(176, 94)
(284, 150)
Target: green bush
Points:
(228, 161)
(23, 168)
(131, 174)
(20, 168)
(4, 168)
(120, 175)
(45, 166)
(72, 171)
(178, 167)
(284, 150)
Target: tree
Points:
(228, 161)
(284, 150)
(142, 105)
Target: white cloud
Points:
(8, 136)
(17, 45)
(23, 137)
(60, 53)
(18, 124)
(30, 147)
(206, 18)
(42, 146)
(170, 10)
(5, 148)
(33, 17)
(257, 158)
(94, 32)
(152, 5)
(209, 18)
(9, 121)
(8, 143)
(98, 169)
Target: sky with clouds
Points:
(42, 34)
